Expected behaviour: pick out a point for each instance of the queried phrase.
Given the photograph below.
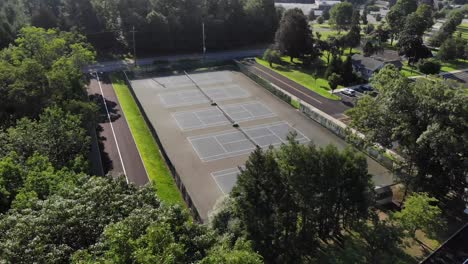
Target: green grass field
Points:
(454, 65)
(409, 71)
(463, 29)
(302, 76)
(159, 174)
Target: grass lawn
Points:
(302, 76)
(408, 71)
(454, 65)
(159, 174)
(463, 29)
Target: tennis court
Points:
(199, 137)
(226, 179)
(233, 143)
(195, 96)
(209, 117)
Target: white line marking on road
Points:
(112, 127)
(288, 85)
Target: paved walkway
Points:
(118, 149)
(331, 107)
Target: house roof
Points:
(454, 250)
(387, 56)
(369, 63)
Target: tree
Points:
(372, 46)
(365, 12)
(397, 15)
(286, 199)
(272, 56)
(261, 205)
(58, 135)
(448, 50)
(447, 29)
(334, 80)
(320, 20)
(429, 66)
(11, 180)
(294, 36)
(419, 213)
(43, 68)
(414, 115)
(312, 15)
(353, 37)
(412, 46)
(341, 15)
(347, 73)
(335, 66)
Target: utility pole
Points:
(134, 47)
(204, 46)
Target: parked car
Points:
(383, 195)
(358, 89)
(349, 92)
(366, 87)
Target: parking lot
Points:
(194, 116)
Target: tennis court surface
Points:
(200, 137)
(233, 143)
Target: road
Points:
(331, 107)
(117, 65)
(119, 152)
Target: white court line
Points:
(112, 128)
(225, 156)
(217, 141)
(225, 172)
(228, 132)
(298, 132)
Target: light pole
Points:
(134, 47)
(204, 46)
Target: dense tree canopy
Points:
(161, 25)
(287, 199)
(43, 68)
(426, 121)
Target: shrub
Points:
(429, 66)
(272, 56)
(320, 20)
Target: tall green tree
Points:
(420, 213)
(294, 36)
(341, 16)
(426, 118)
(288, 199)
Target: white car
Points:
(349, 92)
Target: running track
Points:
(331, 107)
(118, 148)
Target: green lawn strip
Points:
(409, 71)
(155, 165)
(454, 65)
(303, 77)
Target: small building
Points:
(322, 5)
(367, 66)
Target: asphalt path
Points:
(331, 107)
(119, 152)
